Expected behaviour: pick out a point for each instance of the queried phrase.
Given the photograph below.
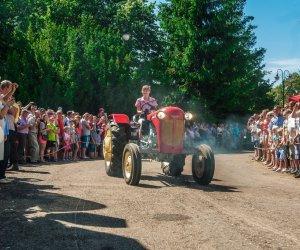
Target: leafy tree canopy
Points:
(199, 55)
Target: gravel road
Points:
(75, 205)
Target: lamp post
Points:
(125, 36)
(284, 75)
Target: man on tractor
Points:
(145, 105)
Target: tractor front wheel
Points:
(203, 165)
(132, 164)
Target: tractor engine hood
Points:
(169, 125)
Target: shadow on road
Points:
(184, 181)
(89, 219)
(29, 171)
(33, 217)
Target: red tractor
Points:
(162, 138)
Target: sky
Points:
(278, 31)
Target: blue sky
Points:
(278, 31)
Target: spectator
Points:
(6, 101)
(32, 119)
(11, 152)
(78, 131)
(52, 141)
(101, 112)
(70, 116)
(23, 129)
(268, 139)
(60, 134)
(67, 144)
(85, 137)
(42, 136)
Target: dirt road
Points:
(76, 206)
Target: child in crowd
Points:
(275, 148)
(72, 136)
(282, 148)
(93, 143)
(52, 141)
(67, 144)
(77, 126)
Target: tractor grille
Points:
(173, 132)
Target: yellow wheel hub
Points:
(128, 164)
(107, 146)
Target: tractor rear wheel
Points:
(175, 167)
(203, 165)
(113, 145)
(132, 164)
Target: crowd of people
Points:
(223, 136)
(39, 135)
(276, 138)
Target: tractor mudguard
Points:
(119, 118)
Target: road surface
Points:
(75, 205)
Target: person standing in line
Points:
(67, 144)
(22, 128)
(11, 153)
(52, 142)
(61, 132)
(42, 136)
(78, 131)
(32, 134)
(85, 137)
(6, 101)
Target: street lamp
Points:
(284, 75)
(126, 36)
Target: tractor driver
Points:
(144, 105)
(145, 102)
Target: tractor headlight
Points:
(161, 115)
(188, 116)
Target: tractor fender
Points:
(119, 118)
(122, 121)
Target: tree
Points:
(211, 58)
(70, 53)
(291, 87)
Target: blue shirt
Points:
(277, 121)
(6, 127)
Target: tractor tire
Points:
(175, 167)
(132, 164)
(113, 145)
(203, 165)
